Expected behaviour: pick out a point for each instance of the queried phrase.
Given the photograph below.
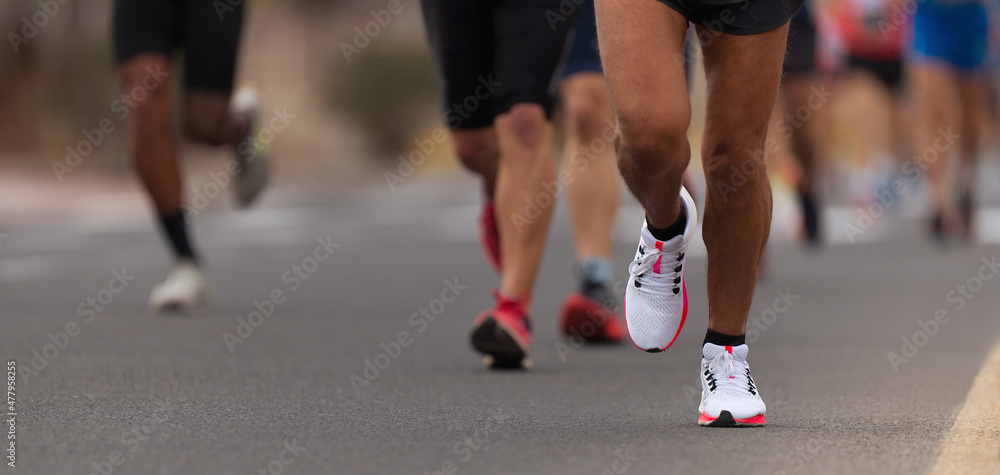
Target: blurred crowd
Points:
(884, 101)
(914, 85)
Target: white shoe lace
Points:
(664, 283)
(723, 369)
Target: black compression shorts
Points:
(208, 36)
(737, 17)
(800, 57)
(492, 54)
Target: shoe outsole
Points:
(175, 308)
(178, 308)
(253, 181)
(493, 340)
(726, 419)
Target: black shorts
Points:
(209, 37)
(737, 17)
(889, 72)
(492, 54)
(584, 54)
(800, 58)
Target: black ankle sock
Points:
(175, 228)
(671, 231)
(722, 339)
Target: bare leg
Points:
(796, 93)
(936, 98)
(208, 119)
(743, 74)
(477, 149)
(592, 186)
(650, 100)
(973, 91)
(526, 166)
(152, 144)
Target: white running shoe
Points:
(185, 288)
(729, 397)
(250, 154)
(656, 300)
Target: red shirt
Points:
(872, 29)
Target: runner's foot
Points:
(656, 300)
(184, 289)
(503, 332)
(729, 396)
(591, 313)
(250, 154)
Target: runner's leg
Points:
(743, 74)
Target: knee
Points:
(525, 124)
(206, 126)
(652, 145)
(147, 97)
(734, 165)
(588, 115)
(476, 149)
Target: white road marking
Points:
(973, 443)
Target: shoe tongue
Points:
(672, 245)
(711, 350)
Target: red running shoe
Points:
(489, 236)
(591, 315)
(503, 332)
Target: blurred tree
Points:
(20, 70)
(389, 91)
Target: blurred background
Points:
(356, 114)
(353, 117)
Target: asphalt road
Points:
(131, 392)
